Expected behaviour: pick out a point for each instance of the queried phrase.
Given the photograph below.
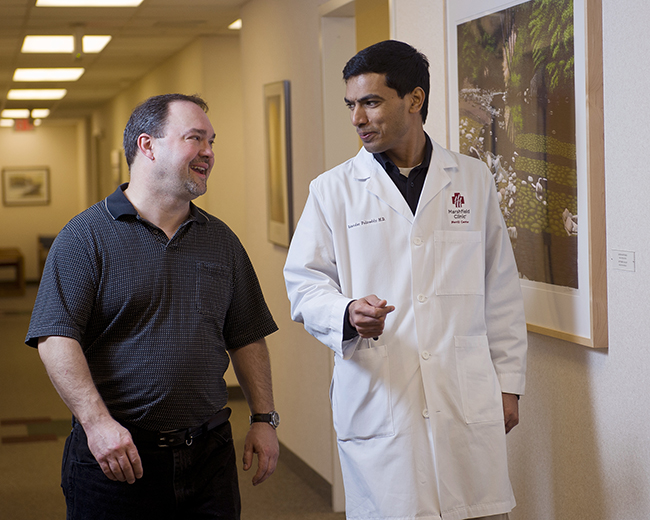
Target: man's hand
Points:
(113, 448)
(262, 440)
(368, 315)
(510, 411)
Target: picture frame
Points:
(571, 306)
(277, 111)
(26, 186)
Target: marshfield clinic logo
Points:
(458, 200)
(458, 214)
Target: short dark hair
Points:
(150, 117)
(404, 67)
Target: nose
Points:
(358, 116)
(207, 150)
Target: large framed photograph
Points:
(525, 97)
(277, 111)
(25, 186)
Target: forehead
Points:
(365, 85)
(186, 115)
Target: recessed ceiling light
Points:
(15, 113)
(37, 93)
(40, 113)
(236, 25)
(6, 123)
(92, 44)
(53, 74)
(88, 3)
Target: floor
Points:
(34, 423)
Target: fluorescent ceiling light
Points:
(37, 93)
(15, 113)
(236, 25)
(6, 123)
(92, 44)
(40, 113)
(88, 3)
(95, 44)
(53, 74)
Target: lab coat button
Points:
(417, 241)
(422, 298)
(425, 413)
(425, 355)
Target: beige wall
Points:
(59, 145)
(276, 47)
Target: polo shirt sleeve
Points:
(248, 318)
(66, 292)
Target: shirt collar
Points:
(118, 205)
(389, 166)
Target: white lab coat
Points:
(418, 413)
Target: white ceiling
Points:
(143, 37)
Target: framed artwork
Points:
(526, 97)
(25, 186)
(277, 119)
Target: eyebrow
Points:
(364, 98)
(200, 131)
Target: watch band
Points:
(273, 418)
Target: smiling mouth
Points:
(199, 169)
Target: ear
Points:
(417, 100)
(145, 145)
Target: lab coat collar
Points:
(378, 182)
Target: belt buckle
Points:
(170, 438)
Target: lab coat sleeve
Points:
(504, 309)
(312, 279)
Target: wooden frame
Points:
(277, 120)
(25, 186)
(576, 311)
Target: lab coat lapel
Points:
(381, 185)
(437, 176)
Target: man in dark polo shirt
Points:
(143, 301)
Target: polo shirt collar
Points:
(390, 167)
(118, 206)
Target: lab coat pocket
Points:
(479, 386)
(459, 266)
(360, 395)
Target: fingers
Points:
(368, 315)
(117, 455)
(263, 441)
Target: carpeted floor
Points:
(34, 423)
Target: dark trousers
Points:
(184, 482)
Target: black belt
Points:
(171, 438)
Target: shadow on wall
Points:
(555, 465)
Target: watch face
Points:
(275, 419)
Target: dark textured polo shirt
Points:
(154, 316)
(410, 187)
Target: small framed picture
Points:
(25, 186)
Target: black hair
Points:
(404, 67)
(150, 117)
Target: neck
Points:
(164, 212)
(412, 153)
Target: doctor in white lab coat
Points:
(412, 283)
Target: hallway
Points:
(34, 423)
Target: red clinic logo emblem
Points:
(458, 200)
